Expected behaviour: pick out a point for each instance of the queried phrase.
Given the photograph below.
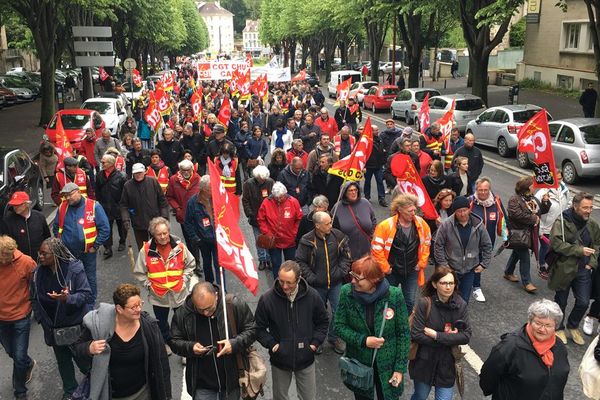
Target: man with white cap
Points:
(28, 227)
(142, 200)
(82, 225)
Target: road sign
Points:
(91, 52)
(129, 64)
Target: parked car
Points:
(2, 102)
(467, 107)
(380, 97)
(75, 122)
(10, 97)
(111, 109)
(387, 67)
(23, 94)
(497, 127)
(312, 79)
(20, 82)
(19, 173)
(408, 103)
(137, 91)
(338, 77)
(576, 147)
(358, 89)
(381, 63)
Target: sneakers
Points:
(529, 288)
(512, 278)
(588, 326)
(339, 346)
(478, 295)
(108, 253)
(576, 336)
(168, 349)
(561, 335)
(319, 350)
(29, 373)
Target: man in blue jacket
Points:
(82, 225)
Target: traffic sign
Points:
(129, 64)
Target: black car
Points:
(19, 173)
(312, 79)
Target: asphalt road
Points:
(504, 311)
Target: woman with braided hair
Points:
(60, 293)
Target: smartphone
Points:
(209, 349)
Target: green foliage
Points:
(548, 88)
(196, 31)
(517, 33)
(453, 37)
(240, 13)
(18, 35)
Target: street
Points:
(504, 311)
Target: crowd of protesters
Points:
(341, 278)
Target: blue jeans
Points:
(544, 248)
(14, 336)
(378, 172)
(477, 280)
(207, 394)
(521, 256)
(333, 296)
(263, 255)
(210, 261)
(582, 290)
(277, 259)
(465, 284)
(422, 392)
(408, 284)
(89, 265)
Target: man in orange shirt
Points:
(16, 272)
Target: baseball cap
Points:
(138, 167)
(18, 198)
(69, 187)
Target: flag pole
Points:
(223, 294)
(562, 220)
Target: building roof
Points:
(251, 26)
(212, 8)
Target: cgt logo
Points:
(89, 216)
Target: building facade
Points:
(558, 46)
(251, 39)
(219, 22)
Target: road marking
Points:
(472, 358)
(51, 217)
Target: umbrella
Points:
(460, 377)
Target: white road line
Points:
(50, 217)
(472, 358)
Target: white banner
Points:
(273, 74)
(219, 70)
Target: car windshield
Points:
(524, 116)
(369, 85)
(420, 96)
(389, 91)
(72, 121)
(591, 134)
(13, 81)
(102, 108)
(469, 105)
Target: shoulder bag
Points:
(414, 346)
(518, 239)
(251, 367)
(355, 375)
(589, 372)
(265, 241)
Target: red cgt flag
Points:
(225, 113)
(249, 60)
(446, 123)
(152, 115)
(534, 137)
(410, 182)
(300, 76)
(63, 146)
(103, 74)
(196, 102)
(233, 254)
(351, 167)
(163, 101)
(424, 114)
(137, 77)
(343, 89)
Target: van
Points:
(338, 77)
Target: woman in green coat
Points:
(358, 321)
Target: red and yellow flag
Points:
(410, 182)
(352, 166)
(63, 145)
(534, 137)
(196, 102)
(152, 115)
(300, 76)
(225, 113)
(343, 89)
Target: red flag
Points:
(534, 137)
(167, 81)
(163, 102)
(343, 89)
(424, 114)
(410, 182)
(137, 77)
(249, 60)
(225, 113)
(196, 102)
(351, 167)
(103, 74)
(152, 115)
(300, 76)
(233, 254)
(446, 123)
(244, 85)
(63, 146)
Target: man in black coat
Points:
(588, 101)
(136, 155)
(374, 166)
(109, 187)
(310, 133)
(193, 141)
(473, 154)
(28, 227)
(297, 181)
(171, 150)
(291, 322)
(324, 183)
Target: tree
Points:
(517, 34)
(240, 12)
(195, 29)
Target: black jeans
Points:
(122, 233)
(582, 290)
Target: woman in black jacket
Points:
(435, 180)
(277, 164)
(460, 181)
(439, 325)
(529, 363)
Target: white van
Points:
(338, 77)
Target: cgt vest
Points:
(80, 180)
(120, 164)
(432, 143)
(165, 275)
(162, 177)
(88, 222)
(229, 183)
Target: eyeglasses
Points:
(207, 309)
(446, 283)
(287, 283)
(543, 326)
(136, 306)
(356, 277)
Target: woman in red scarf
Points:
(530, 363)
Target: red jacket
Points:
(87, 150)
(328, 127)
(424, 162)
(178, 196)
(281, 220)
(291, 153)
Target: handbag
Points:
(518, 239)
(265, 241)
(414, 346)
(251, 367)
(589, 372)
(356, 376)
(67, 335)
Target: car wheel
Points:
(373, 108)
(393, 113)
(503, 149)
(39, 204)
(523, 160)
(569, 173)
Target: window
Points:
(537, 76)
(420, 96)
(572, 36)
(486, 116)
(439, 104)
(404, 95)
(500, 117)
(566, 135)
(591, 134)
(469, 105)
(564, 81)
(524, 116)
(554, 128)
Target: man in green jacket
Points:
(577, 254)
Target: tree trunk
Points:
(413, 73)
(472, 67)
(88, 83)
(329, 45)
(343, 46)
(479, 76)
(47, 68)
(293, 45)
(305, 52)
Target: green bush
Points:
(547, 87)
(517, 34)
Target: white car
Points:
(387, 67)
(408, 103)
(358, 89)
(111, 109)
(137, 91)
(467, 108)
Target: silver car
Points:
(576, 146)
(498, 126)
(408, 103)
(467, 107)
(358, 89)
